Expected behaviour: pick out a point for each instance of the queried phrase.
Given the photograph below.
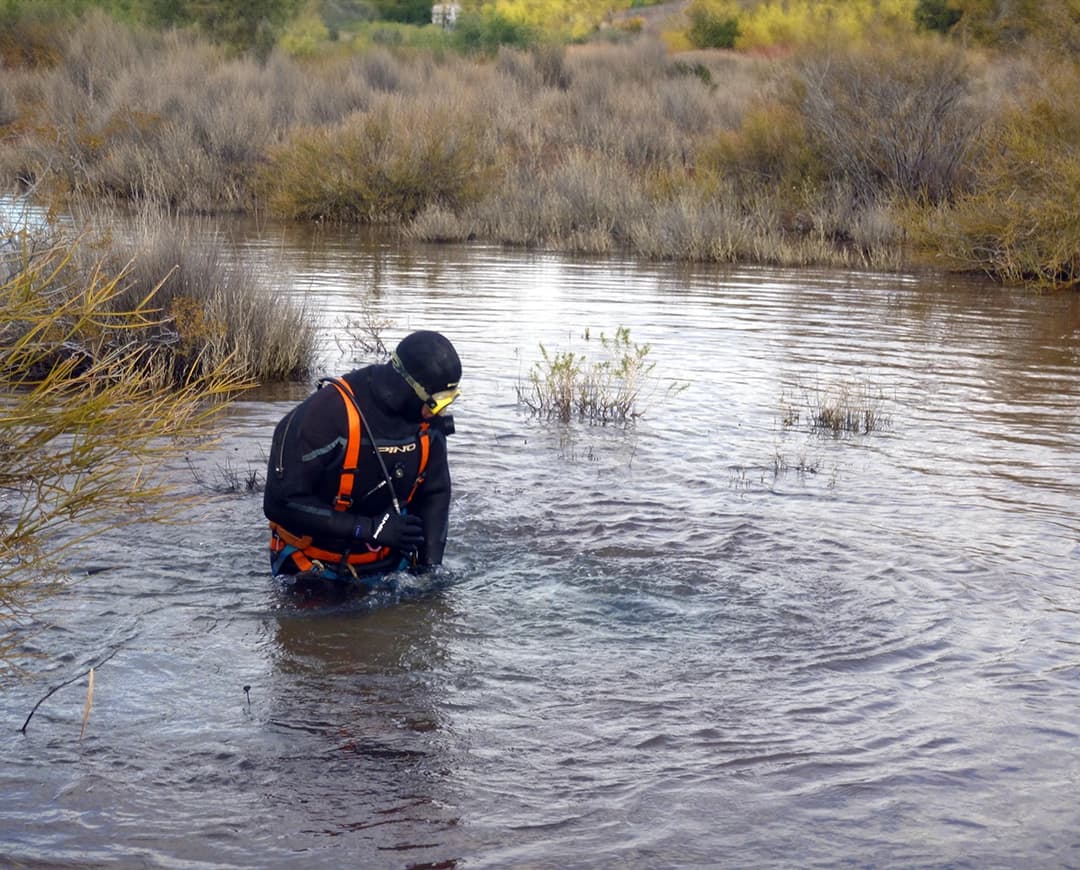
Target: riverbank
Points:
(883, 158)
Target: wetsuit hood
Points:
(393, 395)
(430, 359)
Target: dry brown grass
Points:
(211, 305)
(621, 145)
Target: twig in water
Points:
(89, 701)
(56, 689)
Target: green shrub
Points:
(240, 24)
(710, 30)
(387, 165)
(484, 32)
(936, 15)
(403, 11)
(1021, 222)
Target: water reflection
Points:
(356, 705)
(711, 639)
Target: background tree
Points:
(241, 24)
(403, 11)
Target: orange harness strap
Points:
(305, 554)
(352, 447)
(425, 449)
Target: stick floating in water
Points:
(89, 702)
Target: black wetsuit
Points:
(307, 454)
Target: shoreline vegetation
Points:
(879, 134)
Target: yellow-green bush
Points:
(771, 148)
(1021, 223)
(570, 19)
(305, 36)
(797, 23)
(713, 24)
(85, 412)
(385, 165)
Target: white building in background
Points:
(445, 14)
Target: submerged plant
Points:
(565, 385)
(840, 409)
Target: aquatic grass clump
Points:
(230, 479)
(836, 410)
(565, 385)
(212, 305)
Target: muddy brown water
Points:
(718, 638)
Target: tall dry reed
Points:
(211, 306)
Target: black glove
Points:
(399, 531)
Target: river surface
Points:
(722, 637)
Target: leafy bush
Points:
(788, 24)
(565, 20)
(565, 385)
(240, 24)
(404, 11)
(711, 30)
(937, 15)
(1021, 223)
(385, 165)
(484, 32)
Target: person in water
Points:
(358, 478)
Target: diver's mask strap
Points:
(436, 402)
